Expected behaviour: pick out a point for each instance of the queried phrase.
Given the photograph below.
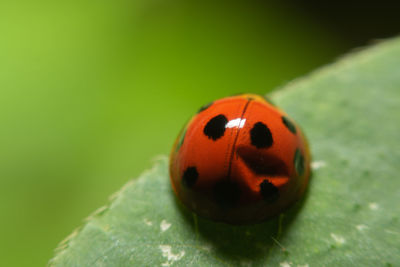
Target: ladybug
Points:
(240, 160)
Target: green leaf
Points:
(350, 112)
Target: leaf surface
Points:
(350, 112)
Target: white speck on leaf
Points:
(285, 264)
(373, 206)
(361, 227)
(315, 165)
(338, 239)
(147, 222)
(164, 225)
(171, 257)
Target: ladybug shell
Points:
(240, 160)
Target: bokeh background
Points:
(91, 91)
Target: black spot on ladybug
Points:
(269, 191)
(206, 106)
(226, 194)
(262, 163)
(299, 162)
(261, 136)
(215, 128)
(289, 124)
(190, 176)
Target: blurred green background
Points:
(91, 91)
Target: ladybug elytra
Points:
(240, 160)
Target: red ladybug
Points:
(240, 160)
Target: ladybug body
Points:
(240, 160)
